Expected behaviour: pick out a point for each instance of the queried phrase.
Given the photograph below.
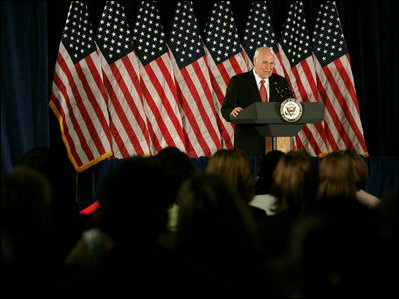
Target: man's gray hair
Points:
(257, 51)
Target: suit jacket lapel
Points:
(253, 87)
(273, 91)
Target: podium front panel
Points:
(269, 113)
(279, 130)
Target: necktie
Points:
(262, 91)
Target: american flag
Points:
(225, 57)
(259, 33)
(157, 81)
(296, 55)
(128, 123)
(193, 83)
(335, 83)
(78, 96)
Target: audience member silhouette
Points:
(334, 255)
(132, 213)
(337, 182)
(295, 180)
(27, 248)
(361, 175)
(233, 167)
(264, 199)
(388, 248)
(217, 241)
(128, 189)
(68, 223)
(178, 167)
(320, 238)
(333, 247)
(294, 187)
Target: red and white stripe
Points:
(128, 123)
(220, 77)
(342, 115)
(302, 79)
(199, 114)
(78, 99)
(161, 104)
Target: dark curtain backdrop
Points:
(24, 79)
(31, 32)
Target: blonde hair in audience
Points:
(361, 170)
(294, 181)
(233, 167)
(336, 177)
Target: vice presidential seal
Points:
(291, 110)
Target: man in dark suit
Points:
(259, 84)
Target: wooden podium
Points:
(283, 144)
(269, 123)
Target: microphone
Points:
(283, 92)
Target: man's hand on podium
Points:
(236, 111)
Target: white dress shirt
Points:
(264, 202)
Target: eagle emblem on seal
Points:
(291, 110)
